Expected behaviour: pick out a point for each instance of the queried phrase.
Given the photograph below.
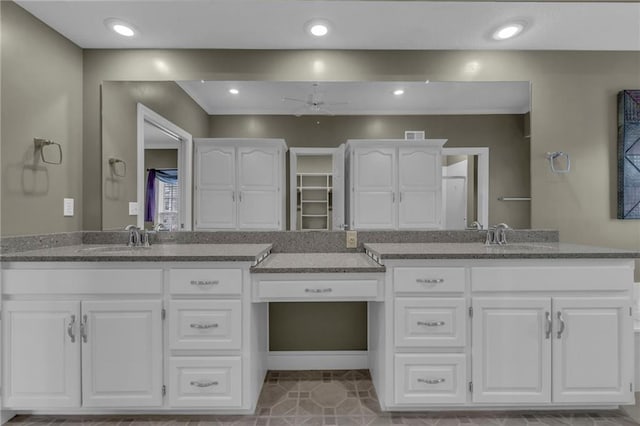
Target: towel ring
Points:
(113, 163)
(40, 143)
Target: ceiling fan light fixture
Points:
(508, 31)
(317, 27)
(120, 27)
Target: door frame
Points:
(483, 178)
(185, 164)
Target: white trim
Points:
(483, 178)
(317, 360)
(185, 166)
(293, 169)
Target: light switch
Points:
(68, 207)
(133, 208)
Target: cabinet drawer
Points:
(317, 290)
(90, 281)
(429, 280)
(205, 324)
(555, 278)
(430, 378)
(205, 281)
(422, 321)
(205, 382)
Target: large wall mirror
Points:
(470, 115)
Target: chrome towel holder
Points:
(558, 155)
(40, 143)
(113, 163)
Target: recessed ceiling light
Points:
(317, 27)
(508, 31)
(398, 92)
(120, 27)
(234, 91)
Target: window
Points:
(167, 205)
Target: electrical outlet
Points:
(133, 208)
(352, 239)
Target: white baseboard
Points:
(318, 360)
(5, 416)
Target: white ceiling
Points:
(359, 98)
(279, 24)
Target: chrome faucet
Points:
(501, 233)
(134, 235)
(497, 234)
(475, 225)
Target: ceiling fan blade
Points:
(293, 100)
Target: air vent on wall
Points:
(413, 134)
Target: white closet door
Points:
(215, 187)
(511, 351)
(122, 353)
(593, 335)
(420, 188)
(42, 354)
(374, 198)
(259, 199)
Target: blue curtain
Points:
(169, 176)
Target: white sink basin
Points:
(115, 248)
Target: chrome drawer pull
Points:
(431, 323)
(83, 328)
(204, 326)
(318, 290)
(561, 324)
(203, 384)
(202, 282)
(431, 381)
(72, 323)
(429, 280)
(548, 325)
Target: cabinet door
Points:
(420, 188)
(592, 350)
(122, 353)
(42, 354)
(374, 199)
(511, 350)
(259, 193)
(215, 194)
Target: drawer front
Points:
(205, 281)
(429, 280)
(205, 382)
(317, 290)
(205, 324)
(556, 278)
(72, 281)
(430, 379)
(422, 321)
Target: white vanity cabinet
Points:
(239, 184)
(65, 350)
(430, 334)
(394, 184)
(206, 337)
(514, 334)
(574, 344)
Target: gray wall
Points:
(41, 97)
(119, 132)
(508, 149)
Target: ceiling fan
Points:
(314, 104)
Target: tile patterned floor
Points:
(335, 397)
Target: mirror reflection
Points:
(491, 115)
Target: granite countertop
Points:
(317, 262)
(547, 250)
(156, 252)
